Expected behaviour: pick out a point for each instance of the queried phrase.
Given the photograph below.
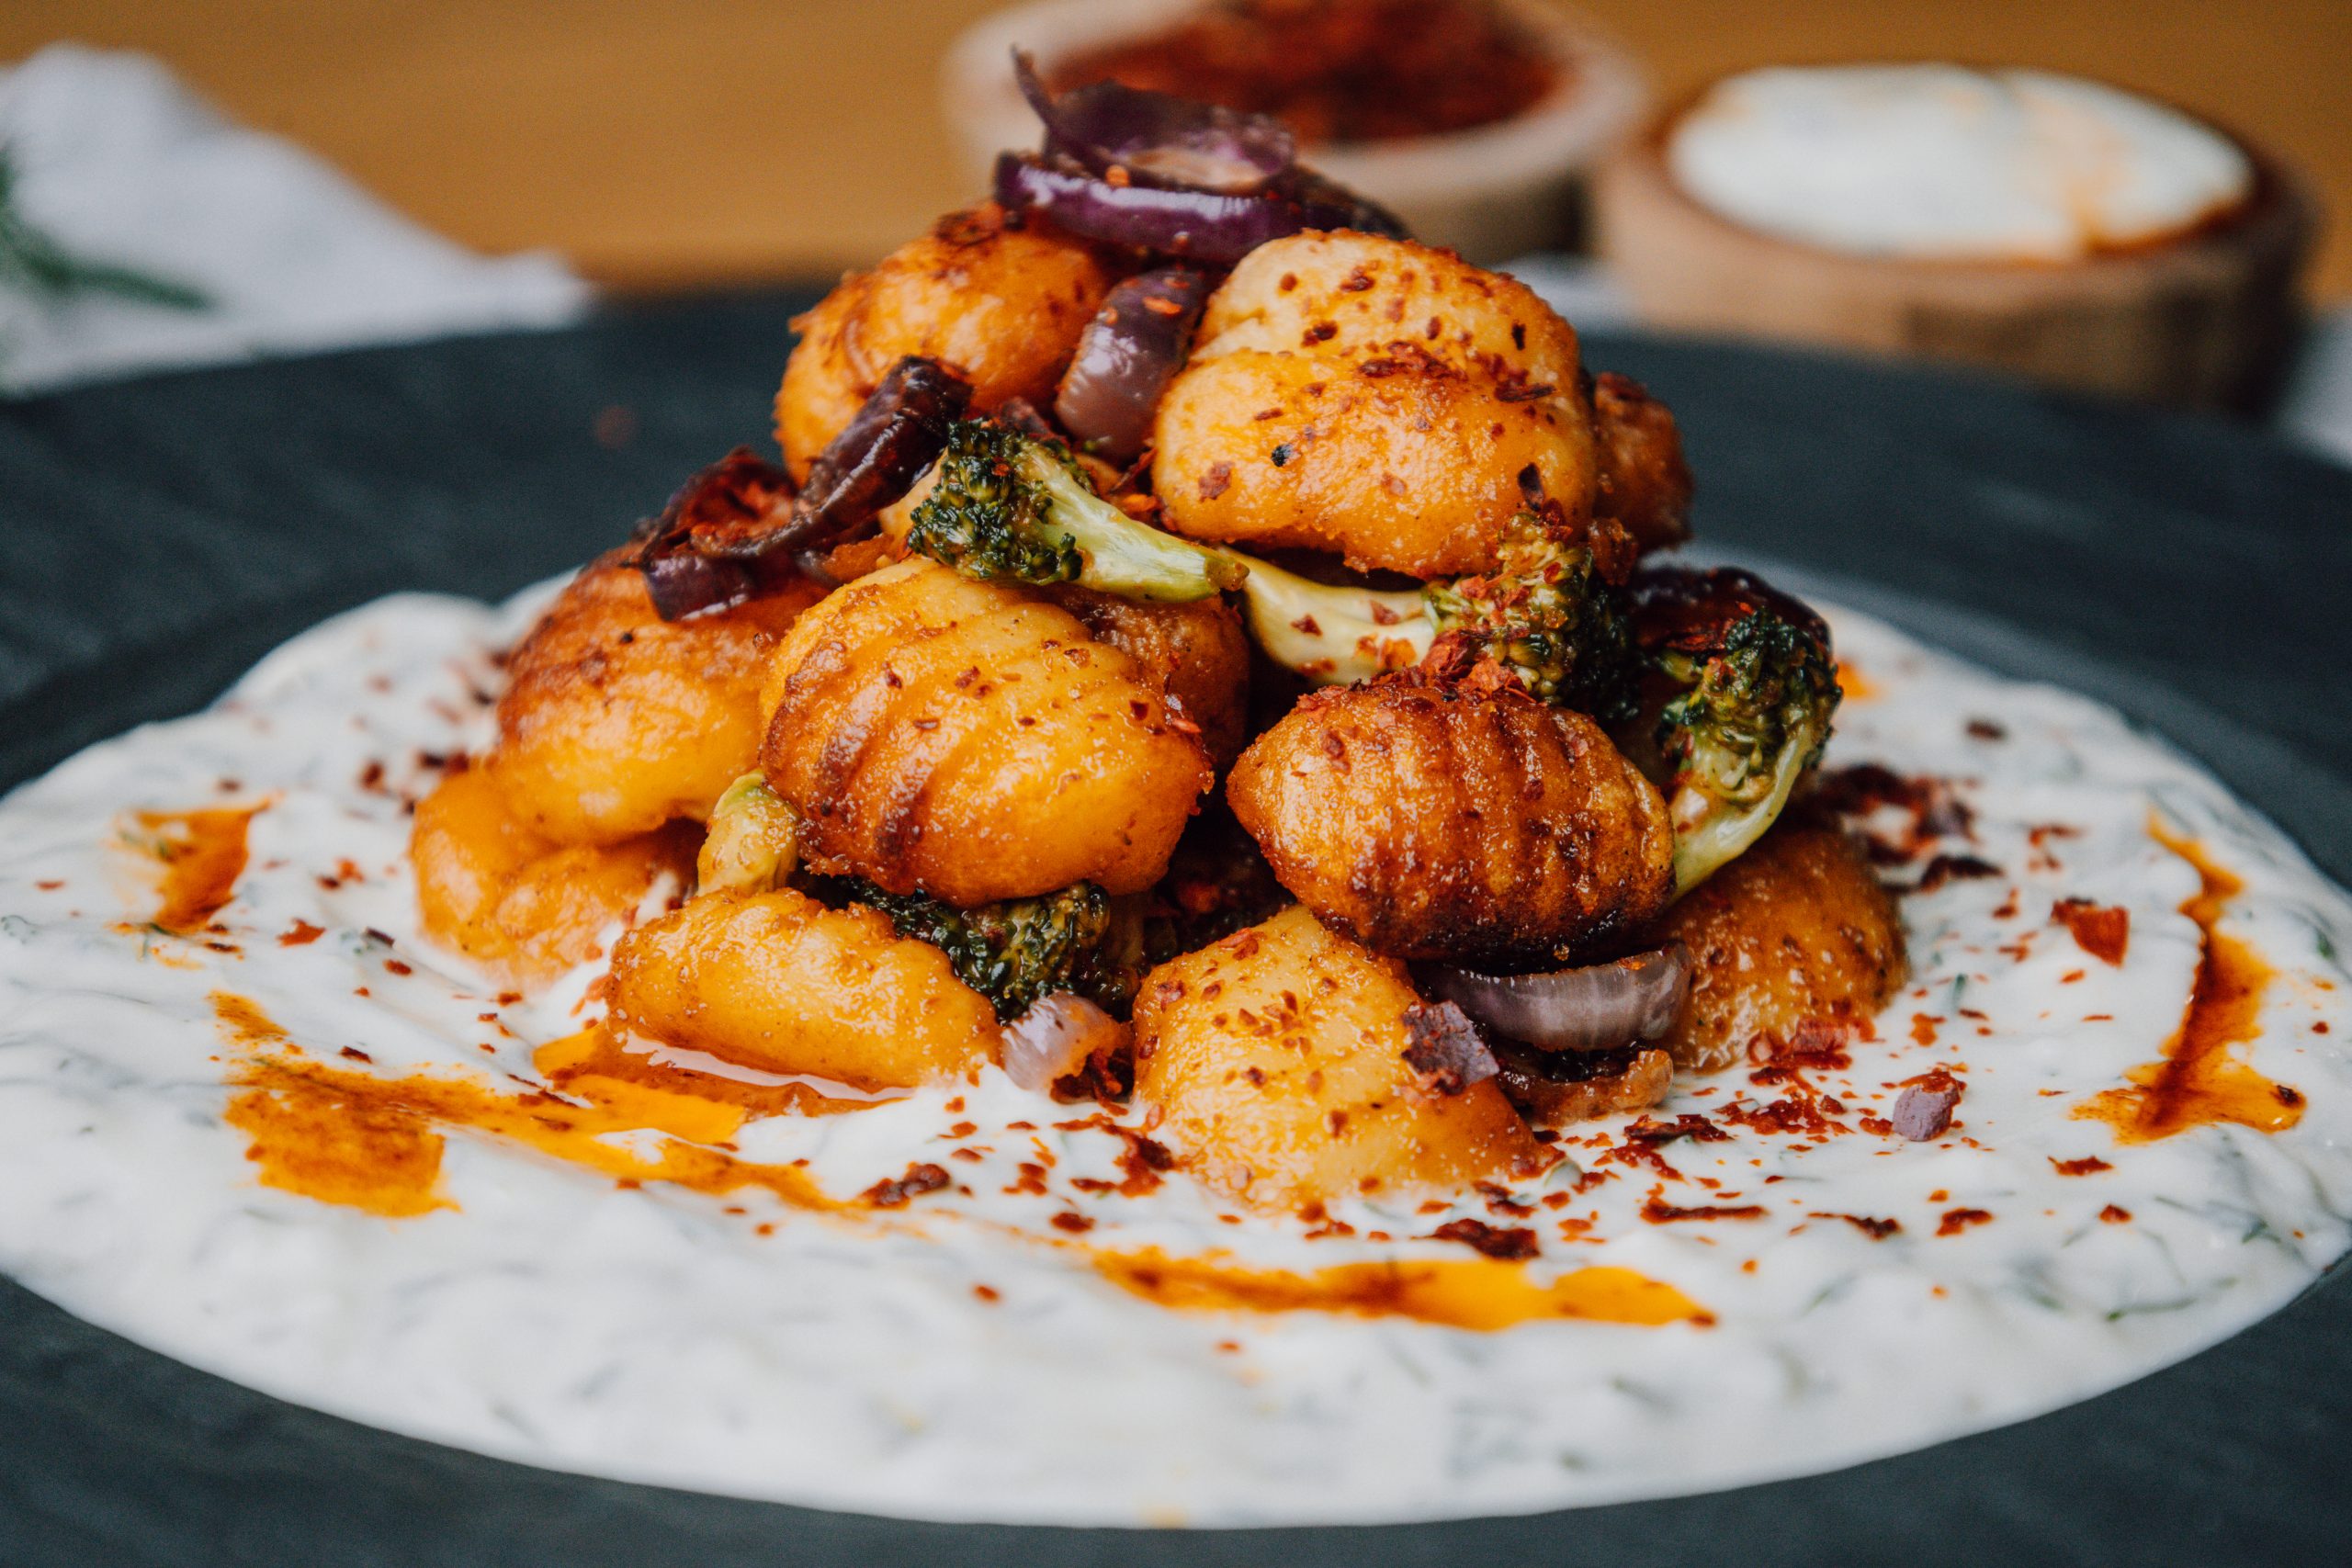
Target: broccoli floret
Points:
(1755, 686)
(1544, 612)
(1011, 952)
(1009, 506)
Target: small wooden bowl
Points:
(2200, 318)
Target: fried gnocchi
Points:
(971, 740)
(1795, 937)
(1199, 654)
(615, 721)
(1275, 1061)
(778, 982)
(1376, 399)
(1000, 304)
(1435, 822)
(492, 886)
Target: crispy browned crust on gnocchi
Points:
(1436, 821)
(1000, 305)
(514, 900)
(779, 982)
(1376, 399)
(1275, 1061)
(972, 741)
(615, 721)
(1199, 653)
(1645, 482)
(1795, 940)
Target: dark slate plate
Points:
(159, 537)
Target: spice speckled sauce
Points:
(249, 1118)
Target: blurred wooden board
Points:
(697, 142)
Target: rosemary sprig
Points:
(31, 261)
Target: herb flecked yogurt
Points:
(247, 1116)
(1941, 162)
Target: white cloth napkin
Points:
(122, 167)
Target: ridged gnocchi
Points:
(971, 740)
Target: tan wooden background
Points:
(682, 143)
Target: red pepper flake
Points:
(1876, 1229)
(2088, 1166)
(896, 1191)
(2115, 1215)
(2103, 930)
(1510, 1245)
(1985, 730)
(49, 885)
(1957, 1220)
(1215, 479)
(1660, 1212)
(397, 967)
(301, 933)
(1690, 1125)
(1953, 868)
(356, 1053)
(1071, 1221)
(1321, 331)
(988, 1293)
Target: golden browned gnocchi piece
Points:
(1000, 305)
(1448, 821)
(1199, 654)
(1645, 483)
(515, 901)
(1275, 1061)
(615, 721)
(1376, 399)
(1796, 935)
(971, 740)
(778, 982)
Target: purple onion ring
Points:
(1054, 1039)
(736, 528)
(896, 434)
(1158, 136)
(1209, 227)
(1599, 1007)
(1126, 358)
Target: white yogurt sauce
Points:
(1938, 163)
(554, 1317)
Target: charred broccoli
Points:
(1010, 506)
(1754, 684)
(1545, 613)
(1011, 952)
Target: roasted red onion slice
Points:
(739, 499)
(1126, 358)
(1054, 1039)
(1160, 137)
(878, 455)
(737, 525)
(1601, 1007)
(1198, 225)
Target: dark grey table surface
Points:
(158, 536)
